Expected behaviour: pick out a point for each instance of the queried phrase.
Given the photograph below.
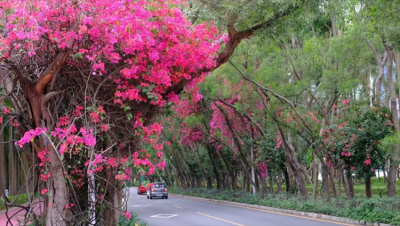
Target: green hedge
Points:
(22, 199)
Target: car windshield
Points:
(159, 186)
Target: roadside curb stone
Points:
(292, 212)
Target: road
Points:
(176, 211)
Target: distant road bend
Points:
(188, 212)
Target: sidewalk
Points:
(38, 206)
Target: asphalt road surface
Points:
(176, 211)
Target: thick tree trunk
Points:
(380, 61)
(332, 183)
(114, 199)
(263, 185)
(325, 183)
(248, 184)
(394, 164)
(306, 177)
(209, 183)
(350, 183)
(279, 184)
(345, 185)
(271, 184)
(257, 182)
(244, 182)
(368, 187)
(56, 213)
(287, 179)
(300, 182)
(315, 178)
(234, 180)
(199, 183)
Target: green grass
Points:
(22, 199)
(378, 186)
(382, 210)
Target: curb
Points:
(292, 212)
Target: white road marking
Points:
(164, 215)
(142, 205)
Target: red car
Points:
(141, 189)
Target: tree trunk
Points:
(2, 166)
(279, 184)
(263, 185)
(380, 61)
(199, 184)
(58, 193)
(394, 164)
(287, 179)
(325, 183)
(248, 183)
(350, 184)
(315, 178)
(12, 178)
(234, 180)
(368, 187)
(384, 172)
(345, 186)
(332, 182)
(257, 182)
(209, 183)
(114, 198)
(271, 184)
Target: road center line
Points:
(159, 201)
(220, 219)
(178, 207)
(274, 212)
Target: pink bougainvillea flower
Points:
(7, 110)
(104, 127)
(128, 215)
(44, 191)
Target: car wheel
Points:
(151, 197)
(166, 197)
(147, 197)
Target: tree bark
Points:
(2, 166)
(114, 199)
(394, 160)
(345, 185)
(350, 183)
(279, 184)
(263, 185)
(271, 184)
(368, 187)
(332, 183)
(12, 178)
(287, 179)
(380, 60)
(325, 183)
(315, 178)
